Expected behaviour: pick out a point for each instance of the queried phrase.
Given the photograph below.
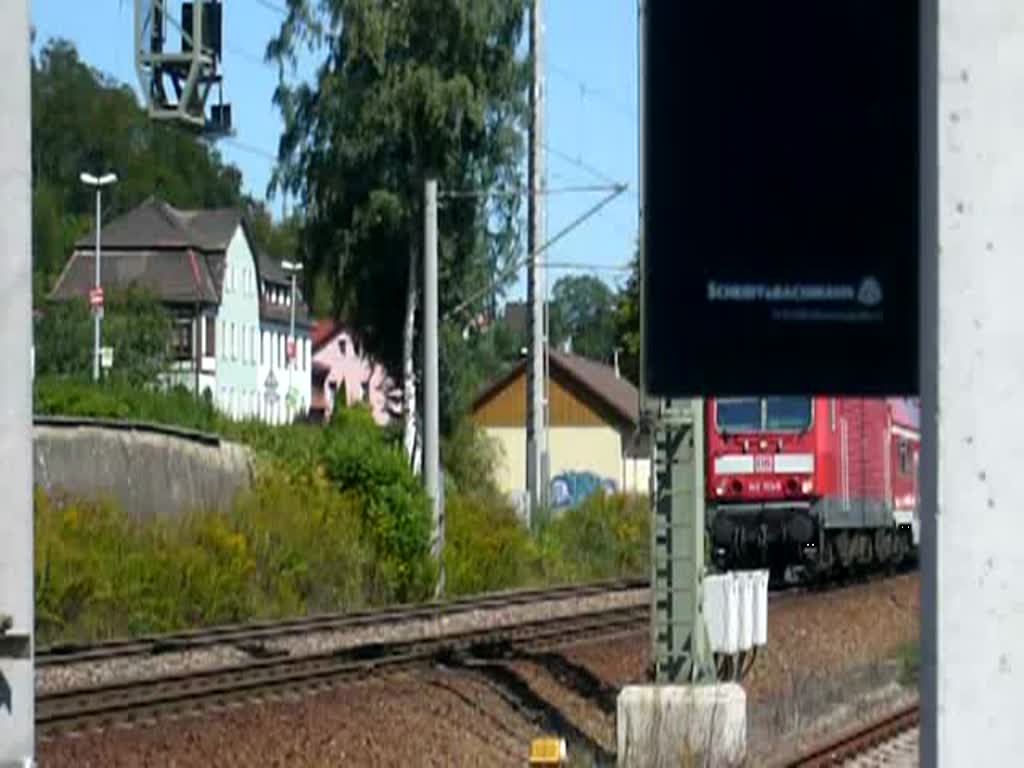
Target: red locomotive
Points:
(813, 484)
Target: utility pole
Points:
(536, 293)
(292, 268)
(17, 601)
(96, 299)
(431, 417)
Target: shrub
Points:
(607, 536)
(287, 548)
(117, 399)
(487, 548)
(136, 325)
(395, 510)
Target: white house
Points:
(202, 266)
(278, 375)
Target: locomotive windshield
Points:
(766, 414)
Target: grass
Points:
(909, 657)
(335, 522)
(290, 547)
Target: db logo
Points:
(764, 463)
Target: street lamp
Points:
(293, 268)
(97, 303)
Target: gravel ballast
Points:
(486, 712)
(69, 676)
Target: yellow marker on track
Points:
(547, 751)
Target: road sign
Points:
(107, 357)
(96, 297)
(781, 197)
(291, 349)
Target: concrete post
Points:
(431, 404)
(17, 692)
(973, 376)
(536, 278)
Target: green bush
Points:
(335, 521)
(135, 324)
(605, 537)
(396, 513)
(119, 399)
(487, 548)
(286, 549)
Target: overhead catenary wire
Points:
(510, 270)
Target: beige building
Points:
(593, 418)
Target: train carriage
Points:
(811, 484)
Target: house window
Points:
(366, 391)
(181, 340)
(211, 337)
(333, 387)
(343, 346)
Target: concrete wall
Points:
(572, 449)
(152, 474)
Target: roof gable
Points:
(599, 381)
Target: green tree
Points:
(627, 322)
(582, 311)
(407, 89)
(135, 325)
(85, 121)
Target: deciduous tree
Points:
(405, 89)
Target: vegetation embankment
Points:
(335, 521)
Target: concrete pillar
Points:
(17, 694)
(677, 725)
(973, 380)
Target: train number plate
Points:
(764, 463)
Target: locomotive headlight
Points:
(807, 486)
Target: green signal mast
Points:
(177, 75)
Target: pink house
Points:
(341, 369)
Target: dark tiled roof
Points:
(155, 225)
(270, 269)
(173, 276)
(282, 313)
(617, 393)
(272, 272)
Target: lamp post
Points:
(96, 298)
(292, 268)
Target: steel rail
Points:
(136, 700)
(69, 653)
(856, 741)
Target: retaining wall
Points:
(152, 470)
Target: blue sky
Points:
(591, 110)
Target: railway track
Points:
(865, 745)
(188, 693)
(259, 632)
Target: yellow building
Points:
(592, 424)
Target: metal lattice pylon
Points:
(177, 75)
(680, 649)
